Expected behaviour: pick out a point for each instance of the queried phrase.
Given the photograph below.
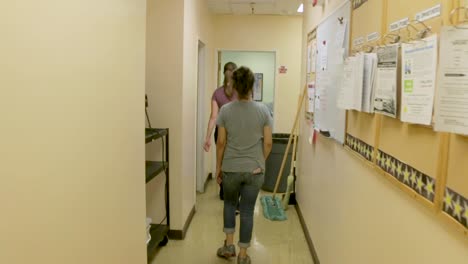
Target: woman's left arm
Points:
(220, 148)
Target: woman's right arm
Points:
(211, 125)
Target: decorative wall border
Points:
(421, 183)
(360, 147)
(456, 206)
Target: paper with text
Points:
(419, 64)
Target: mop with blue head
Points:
(272, 208)
(273, 205)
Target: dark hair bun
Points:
(244, 80)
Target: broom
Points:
(272, 207)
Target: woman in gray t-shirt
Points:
(244, 143)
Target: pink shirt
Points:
(220, 97)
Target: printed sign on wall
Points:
(283, 70)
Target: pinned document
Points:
(419, 63)
(451, 111)
(385, 100)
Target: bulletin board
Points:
(365, 21)
(329, 68)
(430, 166)
(415, 146)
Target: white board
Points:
(332, 46)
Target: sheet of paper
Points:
(322, 95)
(341, 55)
(321, 100)
(345, 98)
(373, 82)
(358, 82)
(309, 58)
(317, 102)
(385, 99)
(324, 56)
(311, 97)
(313, 56)
(451, 111)
(370, 65)
(419, 64)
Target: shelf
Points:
(158, 234)
(154, 168)
(154, 133)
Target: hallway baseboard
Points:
(180, 234)
(310, 243)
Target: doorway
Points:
(263, 64)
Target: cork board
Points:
(414, 144)
(431, 166)
(458, 165)
(411, 8)
(366, 19)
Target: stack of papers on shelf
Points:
(368, 92)
(358, 90)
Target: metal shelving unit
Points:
(158, 232)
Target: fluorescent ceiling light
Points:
(301, 8)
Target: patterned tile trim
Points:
(360, 147)
(421, 183)
(456, 206)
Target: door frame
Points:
(201, 104)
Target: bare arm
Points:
(211, 125)
(267, 141)
(220, 147)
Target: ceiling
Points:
(261, 7)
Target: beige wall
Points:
(164, 60)
(172, 63)
(71, 110)
(198, 26)
(269, 33)
(354, 215)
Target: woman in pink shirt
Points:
(221, 96)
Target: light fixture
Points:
(301, 8)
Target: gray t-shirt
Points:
(244, 123)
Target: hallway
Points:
(272, 242)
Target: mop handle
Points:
(289, 142)
(293, 158)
